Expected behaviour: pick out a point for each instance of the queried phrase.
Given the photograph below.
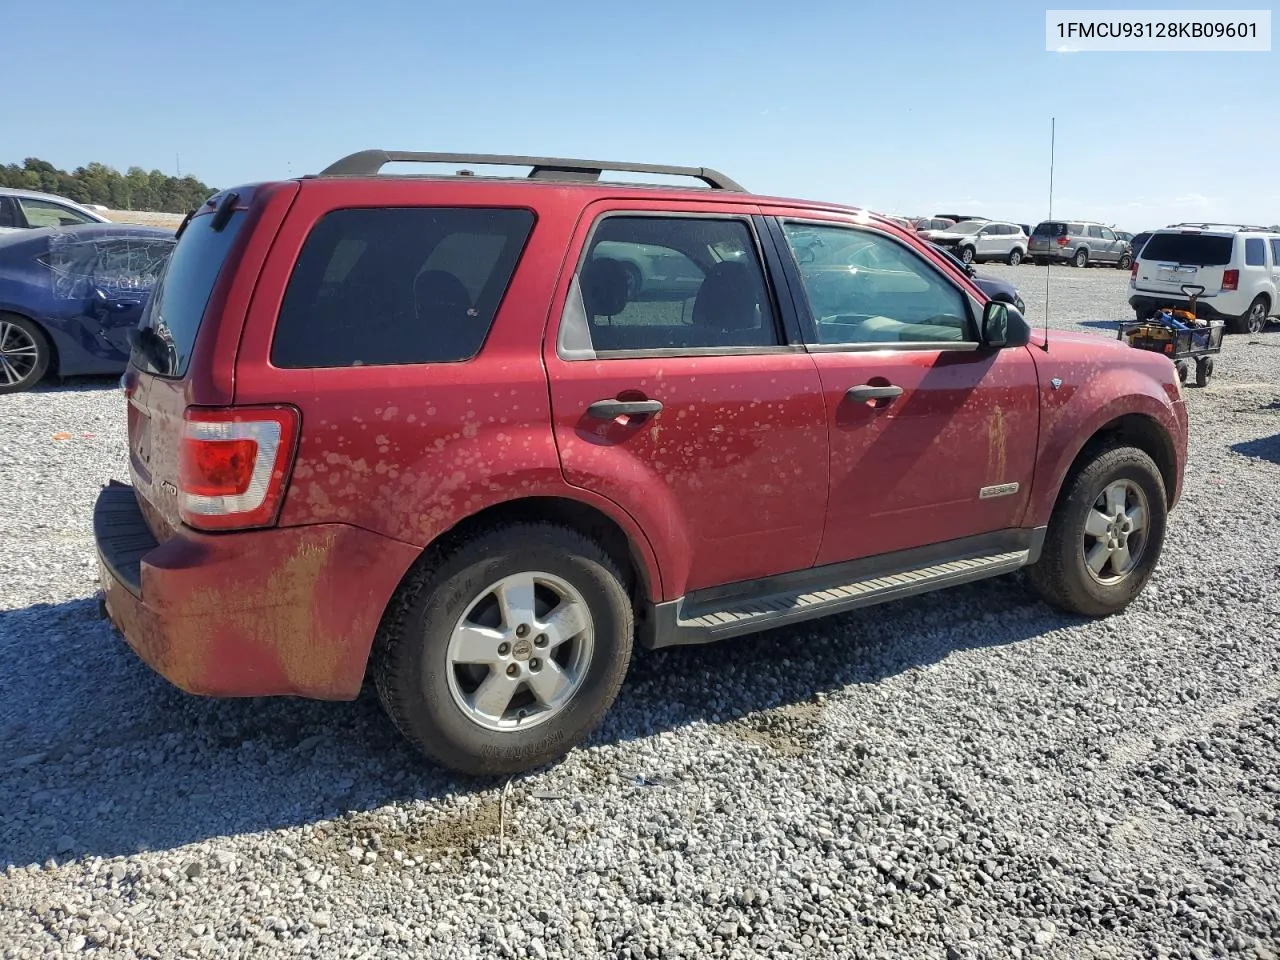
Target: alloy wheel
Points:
(19, 353)
(520, 652)
(1115, 531)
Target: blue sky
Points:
(901, 107)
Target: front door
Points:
(933, 437)
(676, 395)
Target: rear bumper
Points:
(285, 611)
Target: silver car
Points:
(28, 209)
(1079, 243)
(973, 241)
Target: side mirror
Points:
(1004, 326)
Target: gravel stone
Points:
(965, 775)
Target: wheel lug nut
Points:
(504, 649)
(535, 664)
(513, 670)
(540, 640)
(522, 630)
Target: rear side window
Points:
(1275, 252)
(675, 283)
(1255, 252)
(178, 302)
(398, 285)
(1198, 249)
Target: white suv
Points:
(1238, 267)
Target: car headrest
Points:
(439, 293)
(604, 287)
(730, 298)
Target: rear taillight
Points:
(1230, 279)
(1133, 271)
(1063, 241)
(234, 465)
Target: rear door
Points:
(1110, 246)
(684, 403)
(1175, 258)
(933, 438)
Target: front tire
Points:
(24, 353)
(1105, 535)
(1015, 257)
(1125, 262)
(503, 653)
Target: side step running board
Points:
(687, 621)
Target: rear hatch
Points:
(1045, 235)
(1174, 258)
(158, 380)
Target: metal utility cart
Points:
(1179, 340)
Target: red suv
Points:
(470, 435)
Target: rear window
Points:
(1050, 228)
(398, 285)
(179, 299)
(1198, 249)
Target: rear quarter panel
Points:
(410, 450)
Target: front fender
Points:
(1074, 414)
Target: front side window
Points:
(1095, 232)
(864, 287)
(42, 213)
(675, 283)
(398, 285)
(1255, 252)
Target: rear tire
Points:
(1204, 370)
(1081, 259)
(25, 353)
(1183, 370)
(1116, 498)
(966, 255)
(437, 676)
(1254, 320)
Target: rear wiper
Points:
(145, 342)
(183, 225)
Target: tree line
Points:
(135, 189)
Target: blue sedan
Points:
(69, 297)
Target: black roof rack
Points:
(369, 162)
(1232, 226)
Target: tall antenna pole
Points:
(1053, 130)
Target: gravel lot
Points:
(963, 775)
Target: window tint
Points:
(864, 287)
(670, 283)
(398, 285)
(1050, 228)
(42, 213)
(1255, 252)
(1275, 253)
(178, 301)
(8, 213)
(1198, 249)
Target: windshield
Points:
(177, 304)
(1199, 249)
(968, 226)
